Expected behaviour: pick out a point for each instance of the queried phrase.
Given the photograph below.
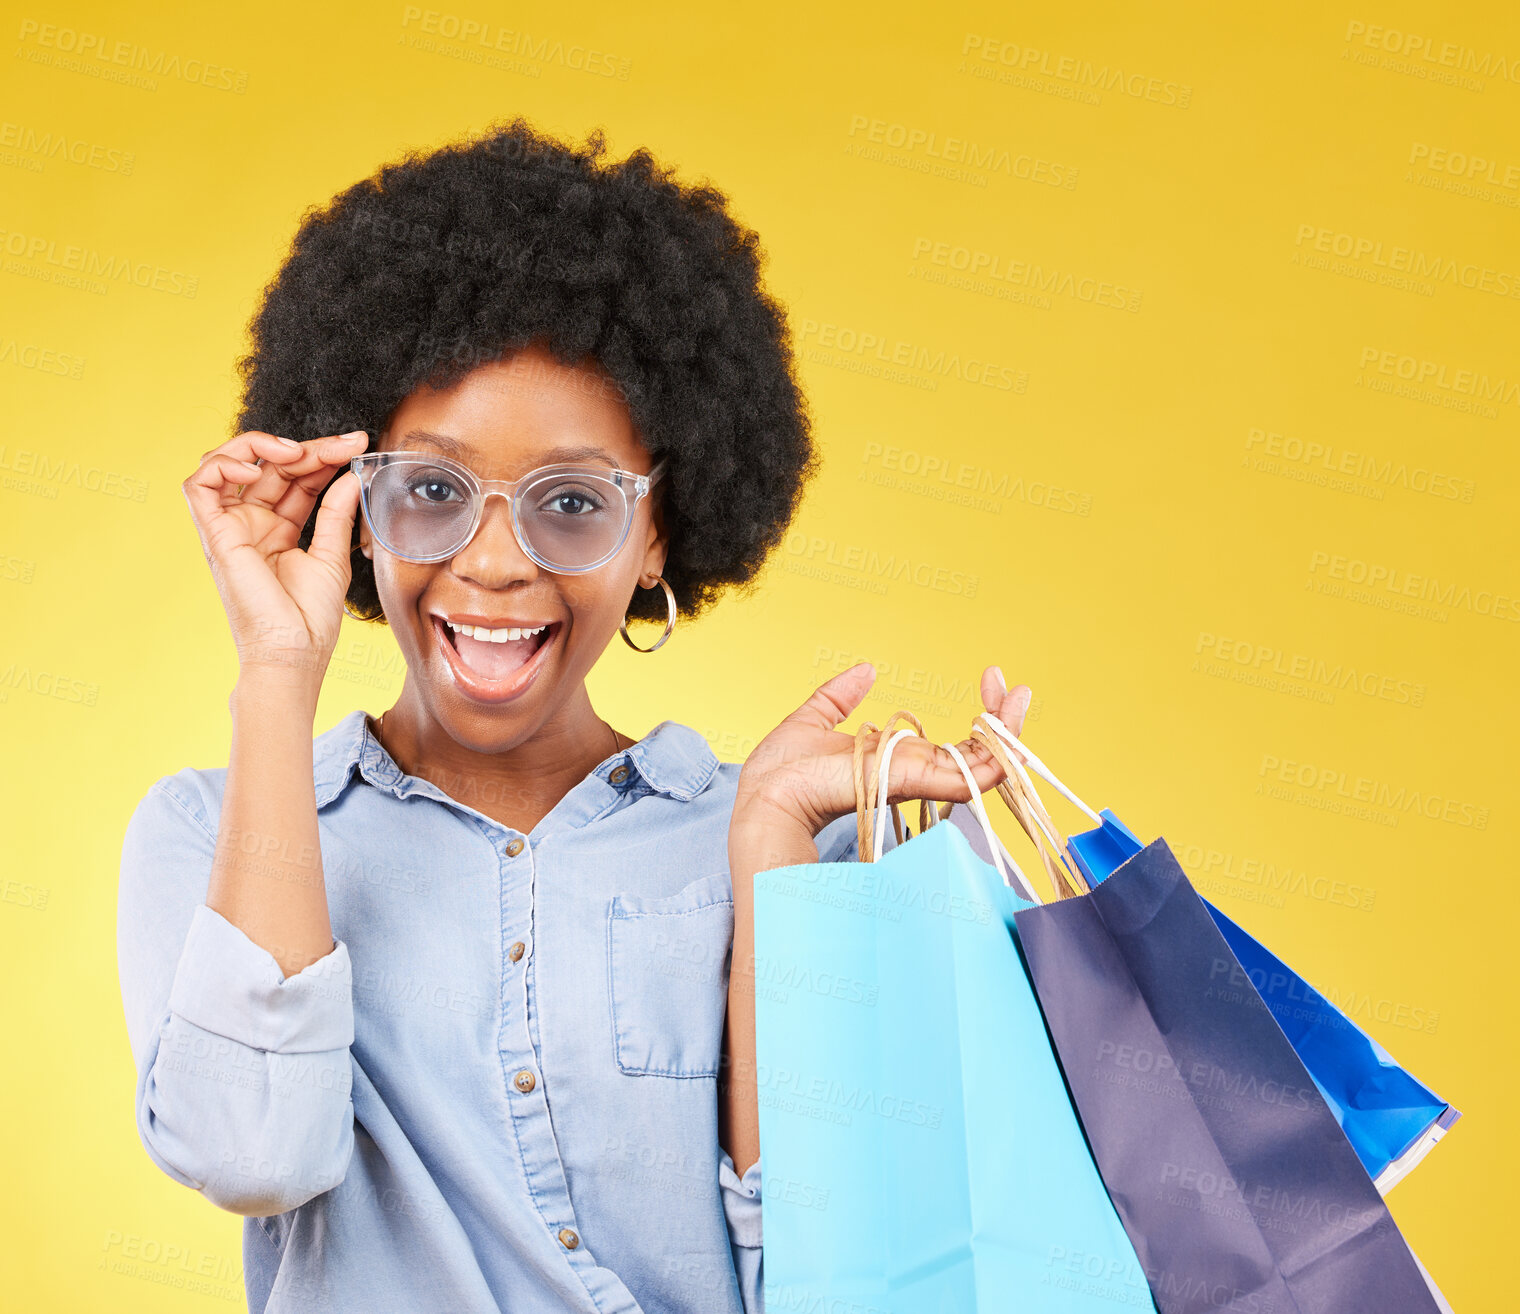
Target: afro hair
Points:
(448, 259)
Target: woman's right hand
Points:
(285, 605)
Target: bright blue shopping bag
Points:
(1390, 1118)
(921, 1151)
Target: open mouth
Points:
(490, 667)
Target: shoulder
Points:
(189, 799)
(676, 760)
(193, 795)
(167, 851)
(836, 841)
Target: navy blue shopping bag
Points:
(1233, 1178)
(1391, 1118)
(1236, 1184)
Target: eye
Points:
(434, 486)
(571, 500)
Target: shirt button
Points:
(619, 774)
(523, 1081)
(516, 951)
(568, 1238)
(514, 848)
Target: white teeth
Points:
(492, 636)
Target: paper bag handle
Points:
(1001, 858)
(870, 844)
(1023, 799)
(1027, 756)
(866, 788)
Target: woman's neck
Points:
(516, 786)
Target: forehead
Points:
(512, 414)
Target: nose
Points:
(493, 558)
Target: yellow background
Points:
(1130, 541)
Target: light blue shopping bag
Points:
(921, 1152)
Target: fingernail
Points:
(1002, 683)
(357, 433)
(290, 442)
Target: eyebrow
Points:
(462, 451)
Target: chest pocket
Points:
(667, 968)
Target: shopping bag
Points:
(921, 1152)
(1236, 1184)
(1391, 1119)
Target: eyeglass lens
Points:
(570, 518)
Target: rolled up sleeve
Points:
(228, 985)
(244, 1074)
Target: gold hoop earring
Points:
(670, 624)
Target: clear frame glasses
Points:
(568, 518)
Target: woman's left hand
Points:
(801, 776)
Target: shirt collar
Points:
(671, 759)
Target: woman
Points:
(442, 1002)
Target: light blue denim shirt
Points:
(498, 1092)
